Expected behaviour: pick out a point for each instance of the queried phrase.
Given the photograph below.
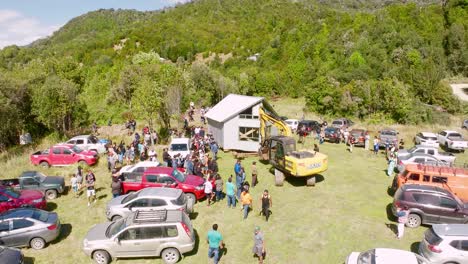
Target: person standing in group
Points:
(402, 214)
(219, 187)
(230, 193)
(90, 186)
(351, 141)
(116, 186)
(259, 245)
(238, 172)
(376, 145)
(215, 242)
(254, 174)
(208, 190)
(74, 184)
(267, 203)
(246, 201)
(79, 178)
(391, 164)
(346, 136)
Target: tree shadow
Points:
(102, 197)
(65, 231)
(196, 246)
(51, 206)
(390, 215)
(415, 247)
(28, 260)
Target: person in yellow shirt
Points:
(246, 201)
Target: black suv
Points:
(430, 205)
(309, 126)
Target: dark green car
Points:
(51, 186)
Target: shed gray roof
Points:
(230, 106)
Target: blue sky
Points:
(23, 21)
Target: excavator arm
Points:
(268, 121)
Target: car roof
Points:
(180, 140)
(64, 145)
(159, 191)
(80, 137)
(146, 163)
(426, 147)
(19, 212)
(451, 131)
(451, 229)
(166, 170)
(426, 188)
(415, 154)
(428, 134)
(155, 217)
(308, 121)
(391, 256)
(332, 128)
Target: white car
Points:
(88, 142)
(385, 256)
(452, 140)
(179, 146)
(292, 123)
(140, 167)
(419, 158)
(445, 243)
(426, 139)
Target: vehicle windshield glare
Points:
(179, 147)
(12, 193)
(115, 227)
(178, 175)
(367, 257)
(77, 149)
(130, 197)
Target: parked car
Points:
(446, 243)
(385, 255)
(151, 198)
(443, 156)
(426, 139)
(28, 227)
(388, 136)
(429, 205)
(10, 255)
(88, 142)
(63, 155)
(292, 123)
(452, 140)
(140, 167)
(309, 126)
(451, 178)
(165, 233)
(332, 134)
(419, 158)
(34, 180)
(10, 199)
(358, 136)
(179, 146)
(342, 123)
(191, 185)
(465, 124)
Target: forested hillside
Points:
(379, 59)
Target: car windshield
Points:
(178, 175)
(40, 215)
(93, 139)
(179, 147)
(77, 149)
(12, 193)
(388, 133)
(337, 123)
(130, 197)
(330, 130)
(367, 257)
(40, 176)
(116, 227)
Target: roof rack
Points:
(150, 216)
(441, 167)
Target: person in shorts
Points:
(90, 190)
(208, 190)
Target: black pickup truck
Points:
(34, 180)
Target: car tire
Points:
(279, 177)
(44, 164)
(190, 202)
(311, 181)
(170, 255)
(115, 218)
(37, 243)
(51, 194)
(414, 221)
(101, 257)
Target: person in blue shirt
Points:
(230, 193)
(238, 172)
(214, 149)
(215, 242)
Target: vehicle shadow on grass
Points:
(196, 246)
(301, 181)
(28, 260)
(51, 206)
(415, 247)
(193, 215)
(65, 231)
(390, 215)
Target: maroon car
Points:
(191, 185)
(10, 199)
(63, 155)
(358, 137)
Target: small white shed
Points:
(234, 122)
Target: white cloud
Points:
(18, 29)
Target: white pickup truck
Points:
(443, 156)
(88, 142)
(452, 140)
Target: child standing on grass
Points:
(74, 184)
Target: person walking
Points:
(90, 186)
(246, 201)
(376, 145)
(254, 174)
(208, 186)
(79, 177)
(215, 242)
(402, 214)
(116, 186)
(230, 193)
(219, 187)
(267, 203)
(74, 184)
(259, 245)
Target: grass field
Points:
(346, 211)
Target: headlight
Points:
(37, 200)
(200, 187)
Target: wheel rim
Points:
(100, 257)
(170, 256)
(51, 195)
(37, 243)
(412, 221)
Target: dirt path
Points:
(458, 91)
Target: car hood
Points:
(10, 255)
(194, 180)
(116, 201)
(352, 258)
(31, 195)
(98, 232)
(52, 180)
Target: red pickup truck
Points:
(63, 155)
(10, 199)
(191, 185)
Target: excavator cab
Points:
(275, 149)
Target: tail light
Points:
(434, 248)
(187, 229)
(52, 227)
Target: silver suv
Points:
(142, 234)
(446, 243)
(153, 198)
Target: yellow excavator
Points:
(279, 148)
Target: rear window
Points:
(40, 215)
(431, 237)
(179, 147)
(180, 201)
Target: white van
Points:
(179, 146)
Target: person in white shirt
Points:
(208, 190)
